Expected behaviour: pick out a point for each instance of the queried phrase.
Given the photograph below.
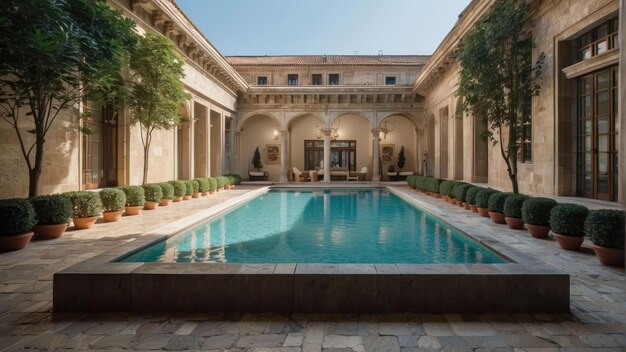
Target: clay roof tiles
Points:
(329, 60)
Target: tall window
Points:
(292, 80)
(316, 80)
(342, 154)
(333, 79)
(99, 152)
(598, 40)
(262, 80)
(390, 80)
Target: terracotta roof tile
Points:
(329, 60)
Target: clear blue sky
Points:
(309, 27)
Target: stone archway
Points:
(259, 131)
(403, 133)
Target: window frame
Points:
(395, 80)
(331, 76)
(292, 77)
(314, 76)
(258, 80)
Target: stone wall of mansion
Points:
(580, 41)
(296, 103)
(114, 156)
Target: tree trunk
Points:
(514, 183)
(146, 154)
(34, 174)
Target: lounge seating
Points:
(363, 173)
(399, 176)
(298, 176)
(341, 173)
(258, 175)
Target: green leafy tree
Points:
(256, 160)
(401, 159)
(157, 92)
(499, 78)
(53, 54)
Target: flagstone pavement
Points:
(597, 321)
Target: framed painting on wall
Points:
(272, 153)
(387, 152)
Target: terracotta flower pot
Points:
(459, 203)
(484, 212)
(49, 232)
(178, 199)
(467, 206)
(211, 192)
(84, 223)
(514, 223)
(444, 197)
(187, 197)
(436, 195)
(165, 202)
(204, 194)
(196, 195)
(538, 231)
(497, 218)
(570, 243)
(474, 208)
(112, 216)
(13, 243)
(151, 205)
(232, 187)
(136, 210)
(609, 256)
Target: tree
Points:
(157, 93)
(256, 160)
(55, 53)
(498, 77)
(401, 158)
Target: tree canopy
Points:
(54, 53)
(157, 92)
(499, 78)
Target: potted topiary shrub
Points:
(153, 194)
(605, 229)
(168, 194)
(179, 190)
(188, 190)
(536, 216)
(458, 193)
(496, 206)
(86, 207)
(195, 186)
(433, 186)
(135, 200)
(231, 181)
(513, 211)
(237, 178)
(212, 185)
(221, 183)
(470, 197)
(113, 203)
(567, 222)
(17, 217)
(203, 186)
(445, 187)
(53, 214)
(482, 201)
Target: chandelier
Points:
(387, 127)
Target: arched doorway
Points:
(402, 133)
(260, 131)
(306, 145)
(429, 153)
(480, 148)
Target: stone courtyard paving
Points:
(597, 321)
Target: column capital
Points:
(326, 131)
(376, 130)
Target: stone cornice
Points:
(167, 18)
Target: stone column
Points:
(376, 155)
(326, 132)
(284, 178)
(621, 102)
(236, 151)
(419, 147)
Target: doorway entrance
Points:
(597, 135)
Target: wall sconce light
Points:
(387, 127)
(276, 134)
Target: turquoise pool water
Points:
(321, 226)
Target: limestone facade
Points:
(556, 166)
(277, 103)
(294, 99)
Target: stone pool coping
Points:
(101, 284)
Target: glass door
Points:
(597, 132)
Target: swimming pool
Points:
(338, 226)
